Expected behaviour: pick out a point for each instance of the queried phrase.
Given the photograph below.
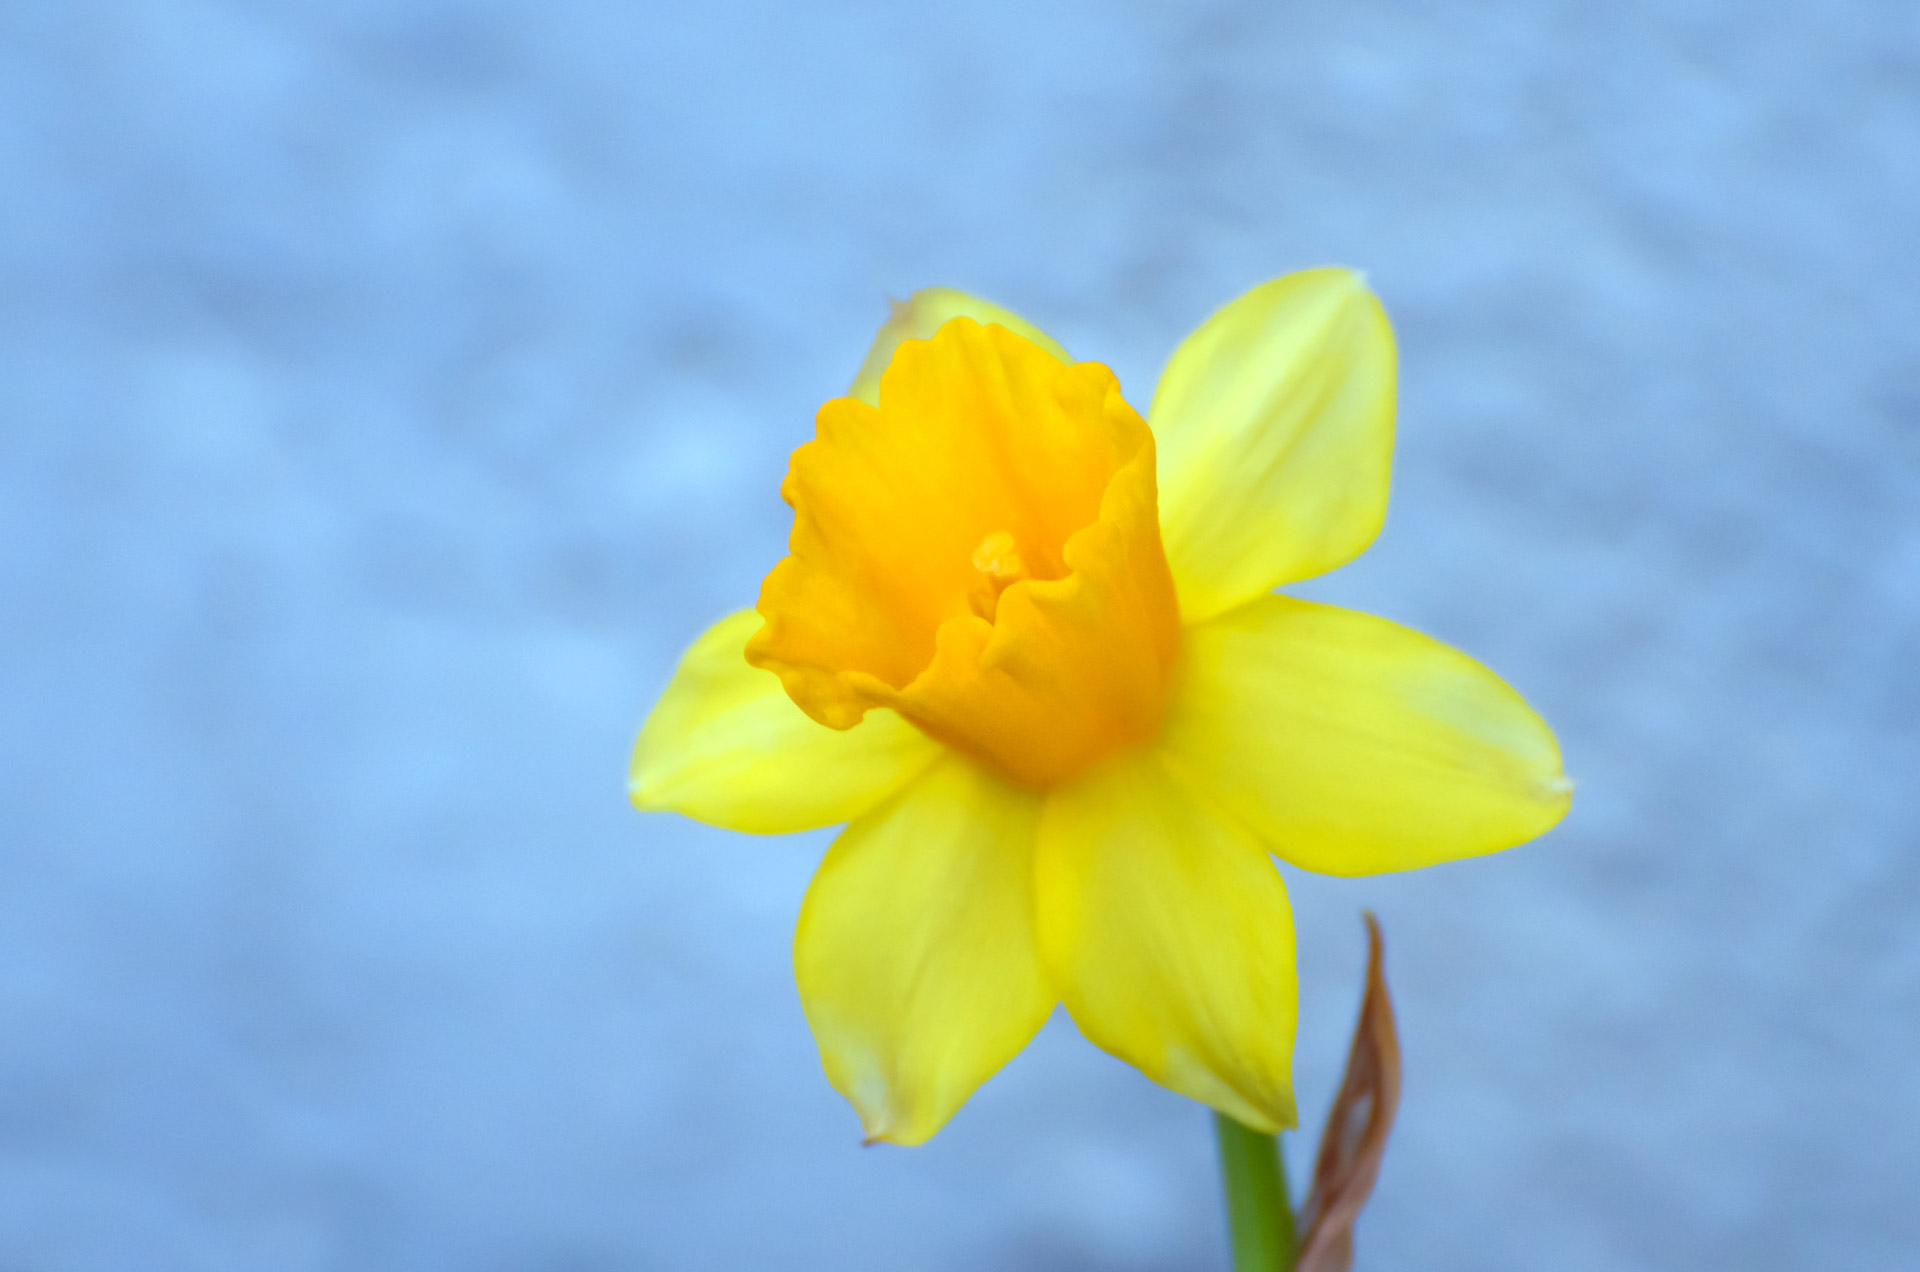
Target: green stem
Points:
(1259, 1215)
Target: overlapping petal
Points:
(1166, 931)
(1275, 426)
(915, 952)
(921, 315)
(726, 746)
(1352, 745)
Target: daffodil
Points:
(1027, 646)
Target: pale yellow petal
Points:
(1352, 745)
(726, 746)
(922, 314)
(1275, 426)
(1166, 931)
(915, 951)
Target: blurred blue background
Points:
(388, 391)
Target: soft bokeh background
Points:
(389, 390)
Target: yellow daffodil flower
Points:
(1027, 646)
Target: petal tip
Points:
(1280, 1106)
(883, 1126)
(871, 1138)
(642, 787)
(1556, 793)
(638, 796)
(1269, 1112)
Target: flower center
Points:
(981, 553)
(998, 560)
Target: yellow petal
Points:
(1275, 426)
(922, 314)
(1352, 745)
(1167, 932)
(915, 951)
(726, 746)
